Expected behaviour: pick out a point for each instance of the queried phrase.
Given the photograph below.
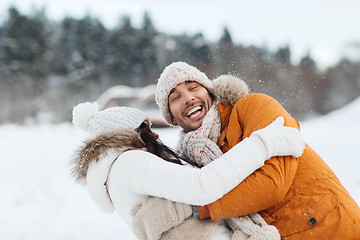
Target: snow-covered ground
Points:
(39, 199)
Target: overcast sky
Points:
(321, 27)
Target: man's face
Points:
(188, 103)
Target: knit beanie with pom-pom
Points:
(173, 75)
(87, 117)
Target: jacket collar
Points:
(228, 89)
(94, 149)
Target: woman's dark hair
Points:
(155, 146)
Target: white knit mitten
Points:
(252, 227)
(195, 229)
(157, 215)
(267, 231)
(280, 140)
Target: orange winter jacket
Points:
(302, 197)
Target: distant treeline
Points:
(47, 67)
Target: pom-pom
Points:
(82, 113)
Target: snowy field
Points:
(39, 199)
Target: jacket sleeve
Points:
(268, 185)
(147, 174)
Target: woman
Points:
(123, 164)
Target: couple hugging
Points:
(241, 170)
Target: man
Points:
(302, 197)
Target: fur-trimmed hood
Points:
(228, 89)
(93, 149)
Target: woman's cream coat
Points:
(121, 178)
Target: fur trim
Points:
(228, 89)
(94, 148)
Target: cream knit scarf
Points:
(200, 146)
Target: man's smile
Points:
(194, 111)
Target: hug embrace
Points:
(242, 169)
